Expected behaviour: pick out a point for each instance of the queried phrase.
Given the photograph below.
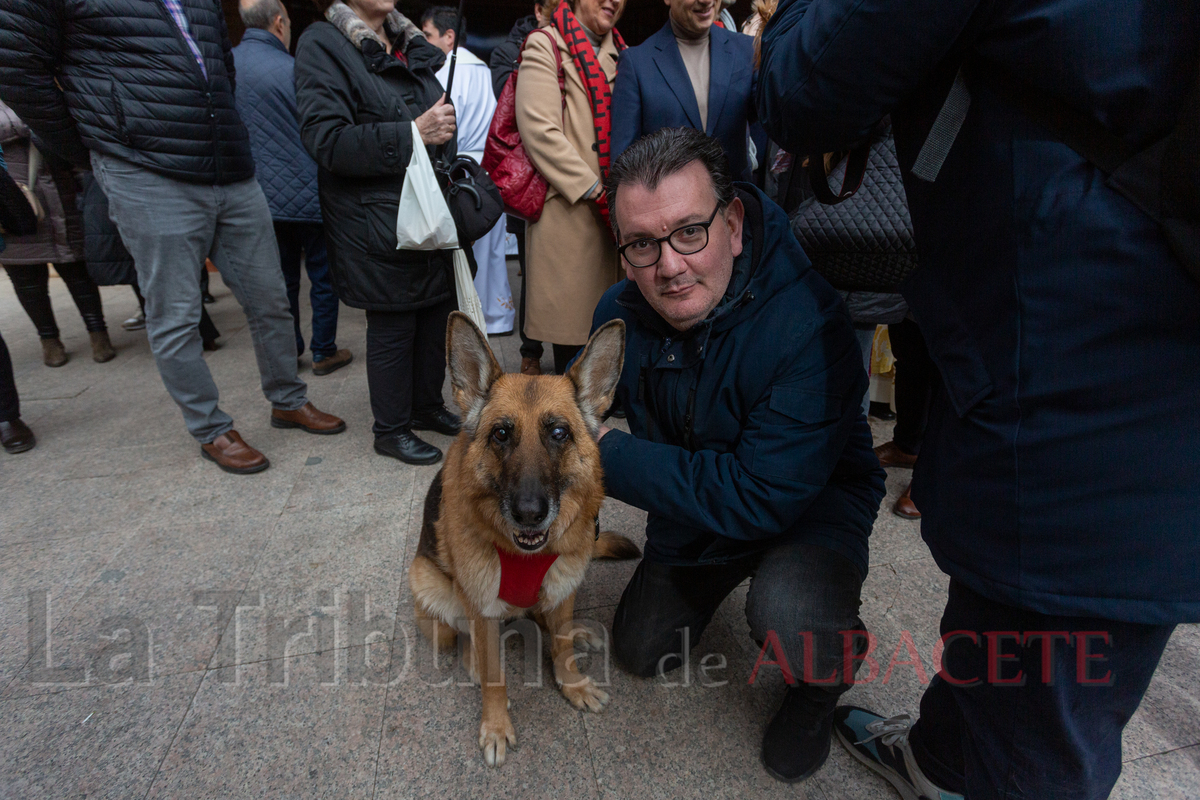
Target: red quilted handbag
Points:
(521, 186)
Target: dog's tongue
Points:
(521, 576)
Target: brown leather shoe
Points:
(904, 505)
(308, 418)
(890, 455)
(531, 366)
(334, 362)
(232, 454)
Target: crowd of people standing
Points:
(1032, 395)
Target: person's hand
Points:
(603, 430)
(437, 124)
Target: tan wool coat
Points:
(571, 259)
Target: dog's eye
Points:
(500, 435)
(560, 434)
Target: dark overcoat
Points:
(1058, 473)
(356, 109)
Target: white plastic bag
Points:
(424, 221)
(468, 298)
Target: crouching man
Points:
(742, 384)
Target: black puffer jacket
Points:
(356, 111)
(131, 87)
(504, 57)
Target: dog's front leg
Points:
(496, 730)
(581, 690)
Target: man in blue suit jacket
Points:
(657, 83)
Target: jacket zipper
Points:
(204, 82)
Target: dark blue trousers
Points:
(10, 407)
(1031, 705)
(308, 238)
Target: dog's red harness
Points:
(521, 576)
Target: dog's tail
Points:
(615, 546)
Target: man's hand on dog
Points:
(603, 430)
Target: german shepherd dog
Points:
(515, 504)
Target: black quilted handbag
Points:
(860, 239)
(472, 197)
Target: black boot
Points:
(796, 743)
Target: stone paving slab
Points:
(282, 656)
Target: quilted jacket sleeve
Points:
(333, 135)
(833, 68)
(31, 48)
(227, 52)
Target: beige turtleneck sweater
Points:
(696, 61)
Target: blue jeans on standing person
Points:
(170, 227)
(308, 238)
(1007, 720)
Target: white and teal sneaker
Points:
(882, 744)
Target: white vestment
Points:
(474, 103)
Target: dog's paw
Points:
(587, 639)
(585, 694)
(494, 738)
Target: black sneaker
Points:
(796, 743)
(440, 420)
(407, 447)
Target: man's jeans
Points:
(804, 594)
(308, 238)
(169, 227)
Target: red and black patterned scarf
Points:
(596, 83)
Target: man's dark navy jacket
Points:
(1058, 473)
(748, 428)
(653, 91)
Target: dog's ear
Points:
(597, 370)
(473, 368)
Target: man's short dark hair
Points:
(444, 18)
(261, 14)
(663, 153)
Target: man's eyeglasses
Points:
(686, 240)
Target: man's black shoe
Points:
(440, 421)
(16, 437)
(796, 743)
(405, 446)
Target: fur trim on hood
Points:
(398, 27)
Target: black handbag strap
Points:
(856, 168)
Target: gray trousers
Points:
(170, 227)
